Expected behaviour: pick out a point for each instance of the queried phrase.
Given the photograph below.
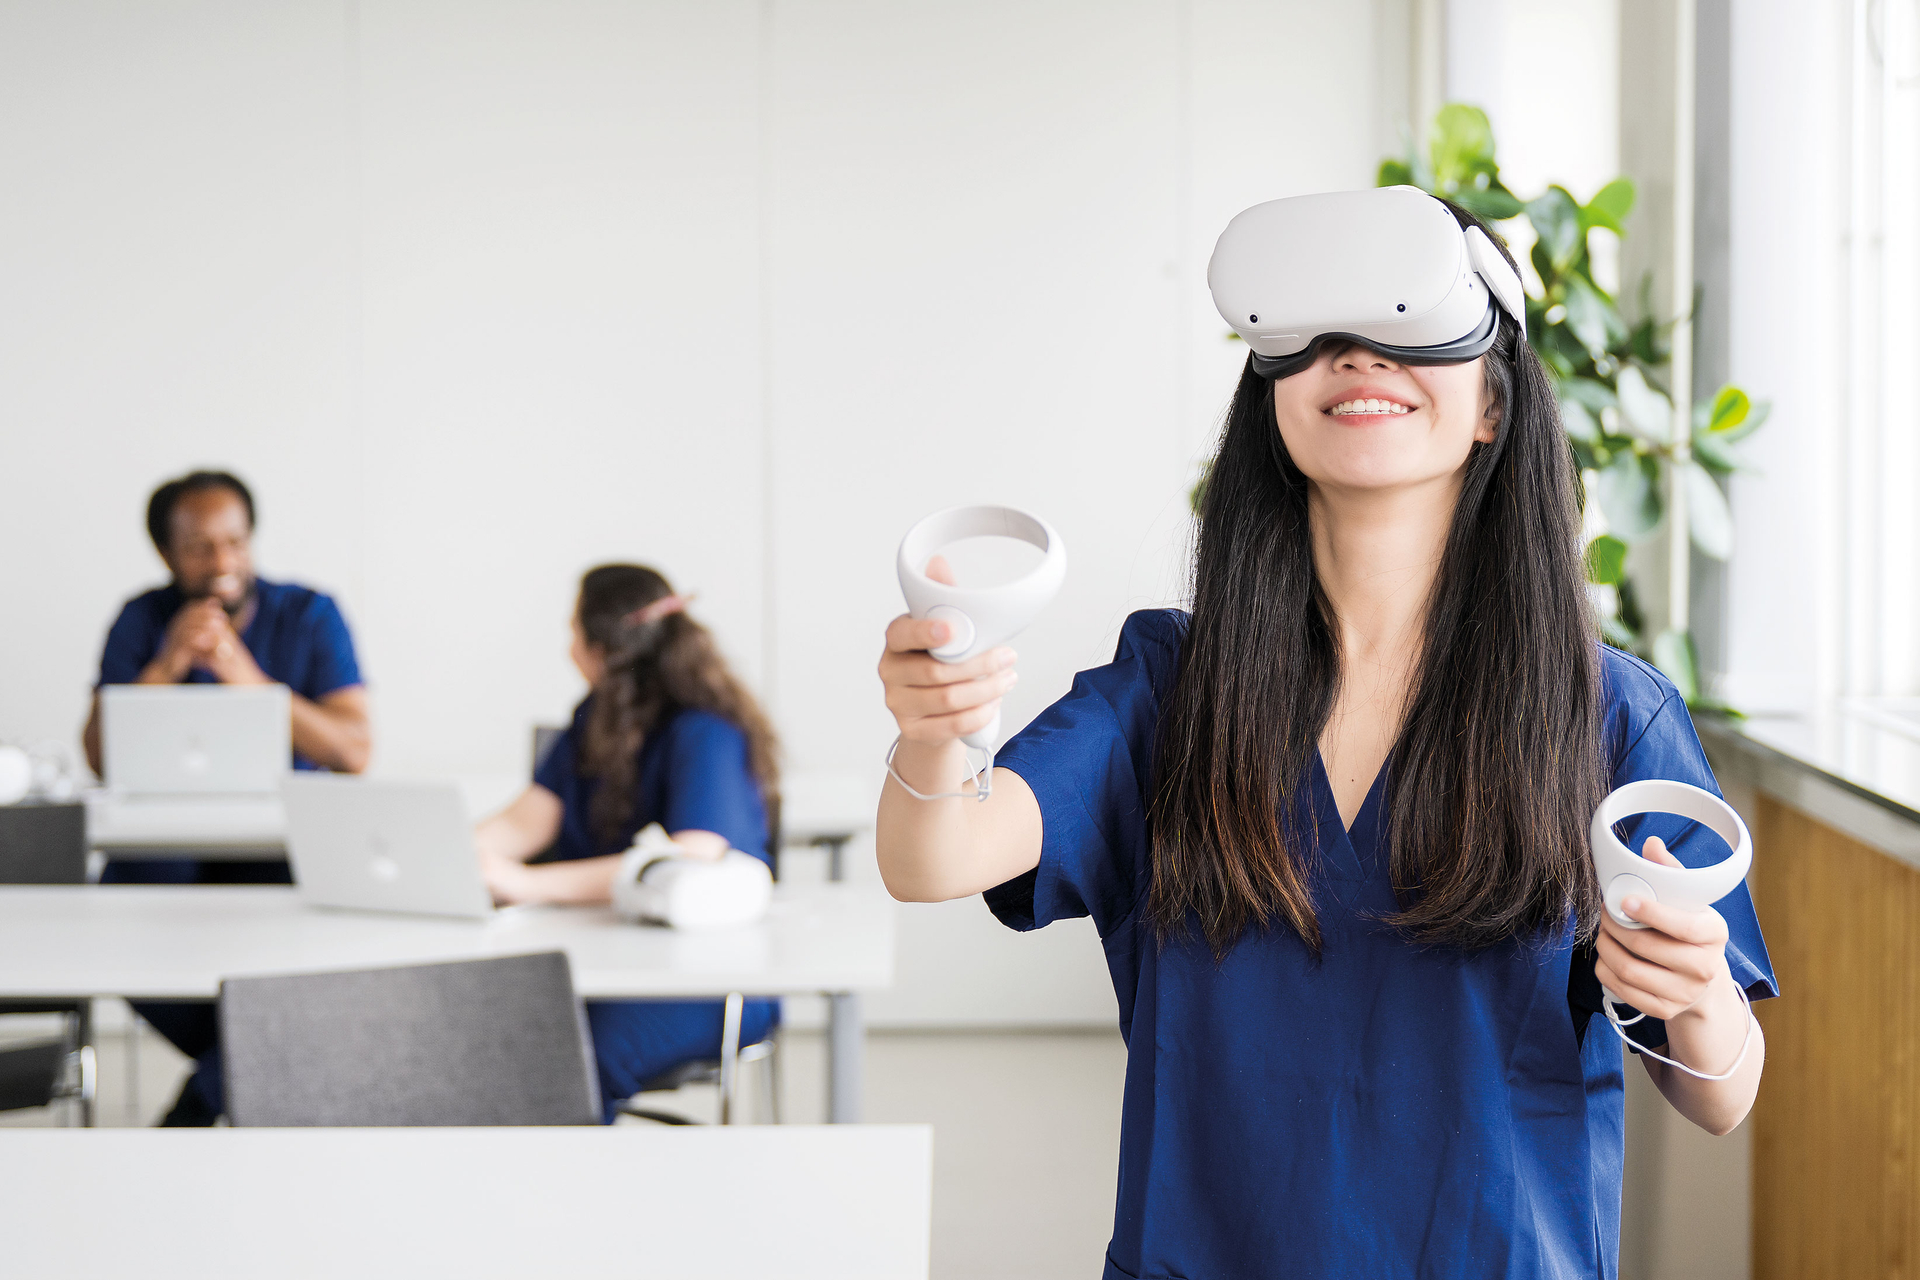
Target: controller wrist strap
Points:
(982, 781)
(1613, 1020)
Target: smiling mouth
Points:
(1357, 408)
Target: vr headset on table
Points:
(1389, 268)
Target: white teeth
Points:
(1349, 407)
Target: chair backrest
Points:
(500, 1041)
(43, 844)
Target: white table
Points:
(793, 1201)
(178, 942)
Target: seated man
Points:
(217, 623)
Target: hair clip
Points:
(657, 610)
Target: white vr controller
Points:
(981, 617)
(1625, 874)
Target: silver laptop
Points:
(196, 739)
(383, 846)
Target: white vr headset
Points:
(1390, 268)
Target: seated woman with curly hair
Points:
(666, 734)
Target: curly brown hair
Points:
(655, 667)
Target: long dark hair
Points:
(1496, 769)
(655, 666)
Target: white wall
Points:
(477, 295)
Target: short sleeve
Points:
(1667, 747)
(334, 664)
(555, 769)
(1087, 759)
(710, 784)
(131, 643)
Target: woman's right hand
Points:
(936, 702)
(947, 848)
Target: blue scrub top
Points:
(297, 636)
(694, 774)
(1385, 1110)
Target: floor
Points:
(1026, 1131)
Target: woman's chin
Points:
(1383, 471)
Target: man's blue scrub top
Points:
(1385, 1111)
(694, 774)
(297, 636)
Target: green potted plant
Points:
(1610, 376)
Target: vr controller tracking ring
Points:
(980, 617)
(1689, 888)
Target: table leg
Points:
(89, 1061)
(836, 857)
(730, 1056)
(846, 1053)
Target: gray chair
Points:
(47, 844)
(500, 1041)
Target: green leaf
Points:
(1579, 422)
(1647, 344)
(1730, 407)
(1714, 453)
(1461, 144)
(1674, 654)
(1556, 220)
(1591, 392)
(1609, 207)
(1590, 315)
(1606, 560)
(1495, 204)
(1395, 173)
(1629, 494)
(1708, 519)
(1543, 265)
(1643, 410)
(1618, 634)
(1756, 416)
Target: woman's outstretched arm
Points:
(933, 850)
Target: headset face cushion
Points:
(1468, 348)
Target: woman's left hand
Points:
(1666, 969)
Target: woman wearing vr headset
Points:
(1333, 824)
